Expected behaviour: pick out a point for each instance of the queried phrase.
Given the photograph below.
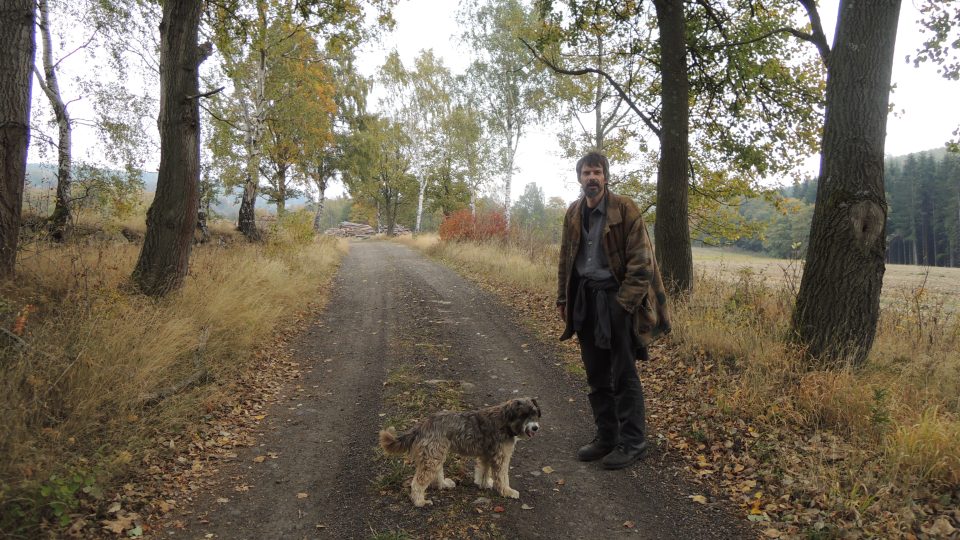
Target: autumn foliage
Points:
(463, 225)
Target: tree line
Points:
(923, 194)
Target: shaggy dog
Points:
(488, 434)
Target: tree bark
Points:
(321, 180)
(17, 31)
(672, 228)
(49, 82)
(838, 303)
(255, 127)
(420, 197)
(172, 217)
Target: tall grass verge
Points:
(875, 447)
(98, 371)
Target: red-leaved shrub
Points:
(462, 225)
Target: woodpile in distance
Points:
(348, 229)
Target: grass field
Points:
(900, 281)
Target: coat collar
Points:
(614, 216)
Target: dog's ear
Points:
(536, 406)
(513, 410)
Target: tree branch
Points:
(818, 38)
(584, 71)
(206, 94)
(84, 46)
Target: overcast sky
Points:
(923, 116)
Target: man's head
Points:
(593, 171)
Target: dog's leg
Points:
(443, 483)
(481, 474)
(418, 486)
(501, 470)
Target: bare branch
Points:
(207, 94)
(84, 46)
(584, 71)
(219, 118)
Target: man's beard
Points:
(592, 189)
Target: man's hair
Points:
(595, 159)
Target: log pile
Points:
(348, 229)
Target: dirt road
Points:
(400, 329)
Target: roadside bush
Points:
(464, 226)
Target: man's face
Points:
(592, 180)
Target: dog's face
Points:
(523, 415)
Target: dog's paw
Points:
(484, 483)
(448, 484)
(420, 504)
(510, 492)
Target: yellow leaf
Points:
(302, 495)
(547, 470)
(259, 459)
(698, 498)
(771, 533)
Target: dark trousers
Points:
(616, 396)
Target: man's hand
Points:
(561, 310)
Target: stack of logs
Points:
(360, 230)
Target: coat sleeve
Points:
(638, 261)
(562, 263)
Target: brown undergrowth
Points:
(97, 381)
(807, 452)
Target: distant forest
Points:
(923, 221)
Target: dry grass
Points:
(77, 398)
(896, 420)
(524, 264)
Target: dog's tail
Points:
(396, 444)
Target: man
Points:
(611, 294)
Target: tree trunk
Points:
(839, 298)
(255, 126)
(247, 220)
(172, 218)
(49, 82)
(598, 100)
(321, 198)
(420, 197)
(672, 227)
(281, 191)
(511, 155)
(17, 23)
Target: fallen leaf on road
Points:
(222, 500)
(629, 524)
(498, 509)
(302, 495)
(547, 470)
(526, 507)
(561, 482)
(259, 459)
(118, 525)
(771, 533)
(698, 498)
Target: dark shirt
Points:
(591, 260)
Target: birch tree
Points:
(513, 86)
